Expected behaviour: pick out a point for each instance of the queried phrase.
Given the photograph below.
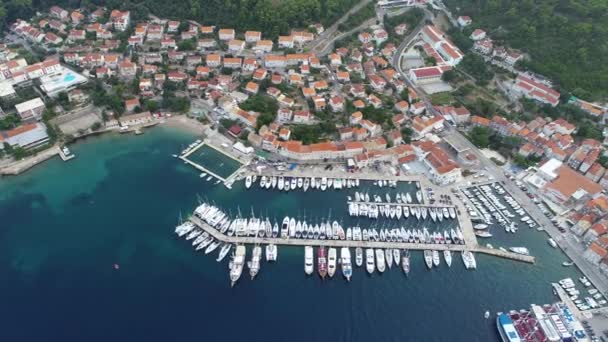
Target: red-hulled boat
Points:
(322, 260)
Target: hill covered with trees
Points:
(272, 17)
(567, 40)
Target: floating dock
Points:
(353, 244)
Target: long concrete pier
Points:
(410, 205)
(353, 244)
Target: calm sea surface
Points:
(64, 225)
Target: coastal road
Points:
(570, 247)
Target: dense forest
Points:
(272, 17)
(567, 40)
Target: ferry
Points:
(380, 260)
(428, 259)
(322, 262)
(347, 268)
(369, 260)
(507, 329)
(308, 260)
(332, 261)
(359, 256)
(236, 265)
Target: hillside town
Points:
(364, 105)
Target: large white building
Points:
(31, 109)
(25, 136)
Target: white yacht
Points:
(388, 256)
(323, 184)
(254, 264)
(359, 256)
(347, 267)
(223, 252)
(447, 255)
(285, 227)
(436, 259)
(271, 252)
(332, 261)
(236, 265)
(397, 256)
(308, 260)
(380, 260)
(369, 260)
(428, 259)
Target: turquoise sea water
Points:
(64, 225)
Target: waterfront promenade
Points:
(29, 162)
(353, 244)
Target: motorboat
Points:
(308, 260)
(254, 264)
(388, 256)
(271, 252)
(347, 267)
(224, 251)
(436, 259)
(285, 227)
(247, 182)
(359, 256)
(322, 262)
(332, 261)
(428, 259)
(369, 261)
(483, 234)
(405, 261)
(380, 261)
(447, 255)
(236, 265)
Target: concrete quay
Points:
(353, 244)
(25, 164)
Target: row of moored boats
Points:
(282, 183)
(399, 211)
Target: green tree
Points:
(480, 136)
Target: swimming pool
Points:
(69, 77)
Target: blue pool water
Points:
(69, 78)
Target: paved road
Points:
(315, 44)
(322, 50)
(572, 248)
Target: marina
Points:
(153, 265)
(388, 244)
